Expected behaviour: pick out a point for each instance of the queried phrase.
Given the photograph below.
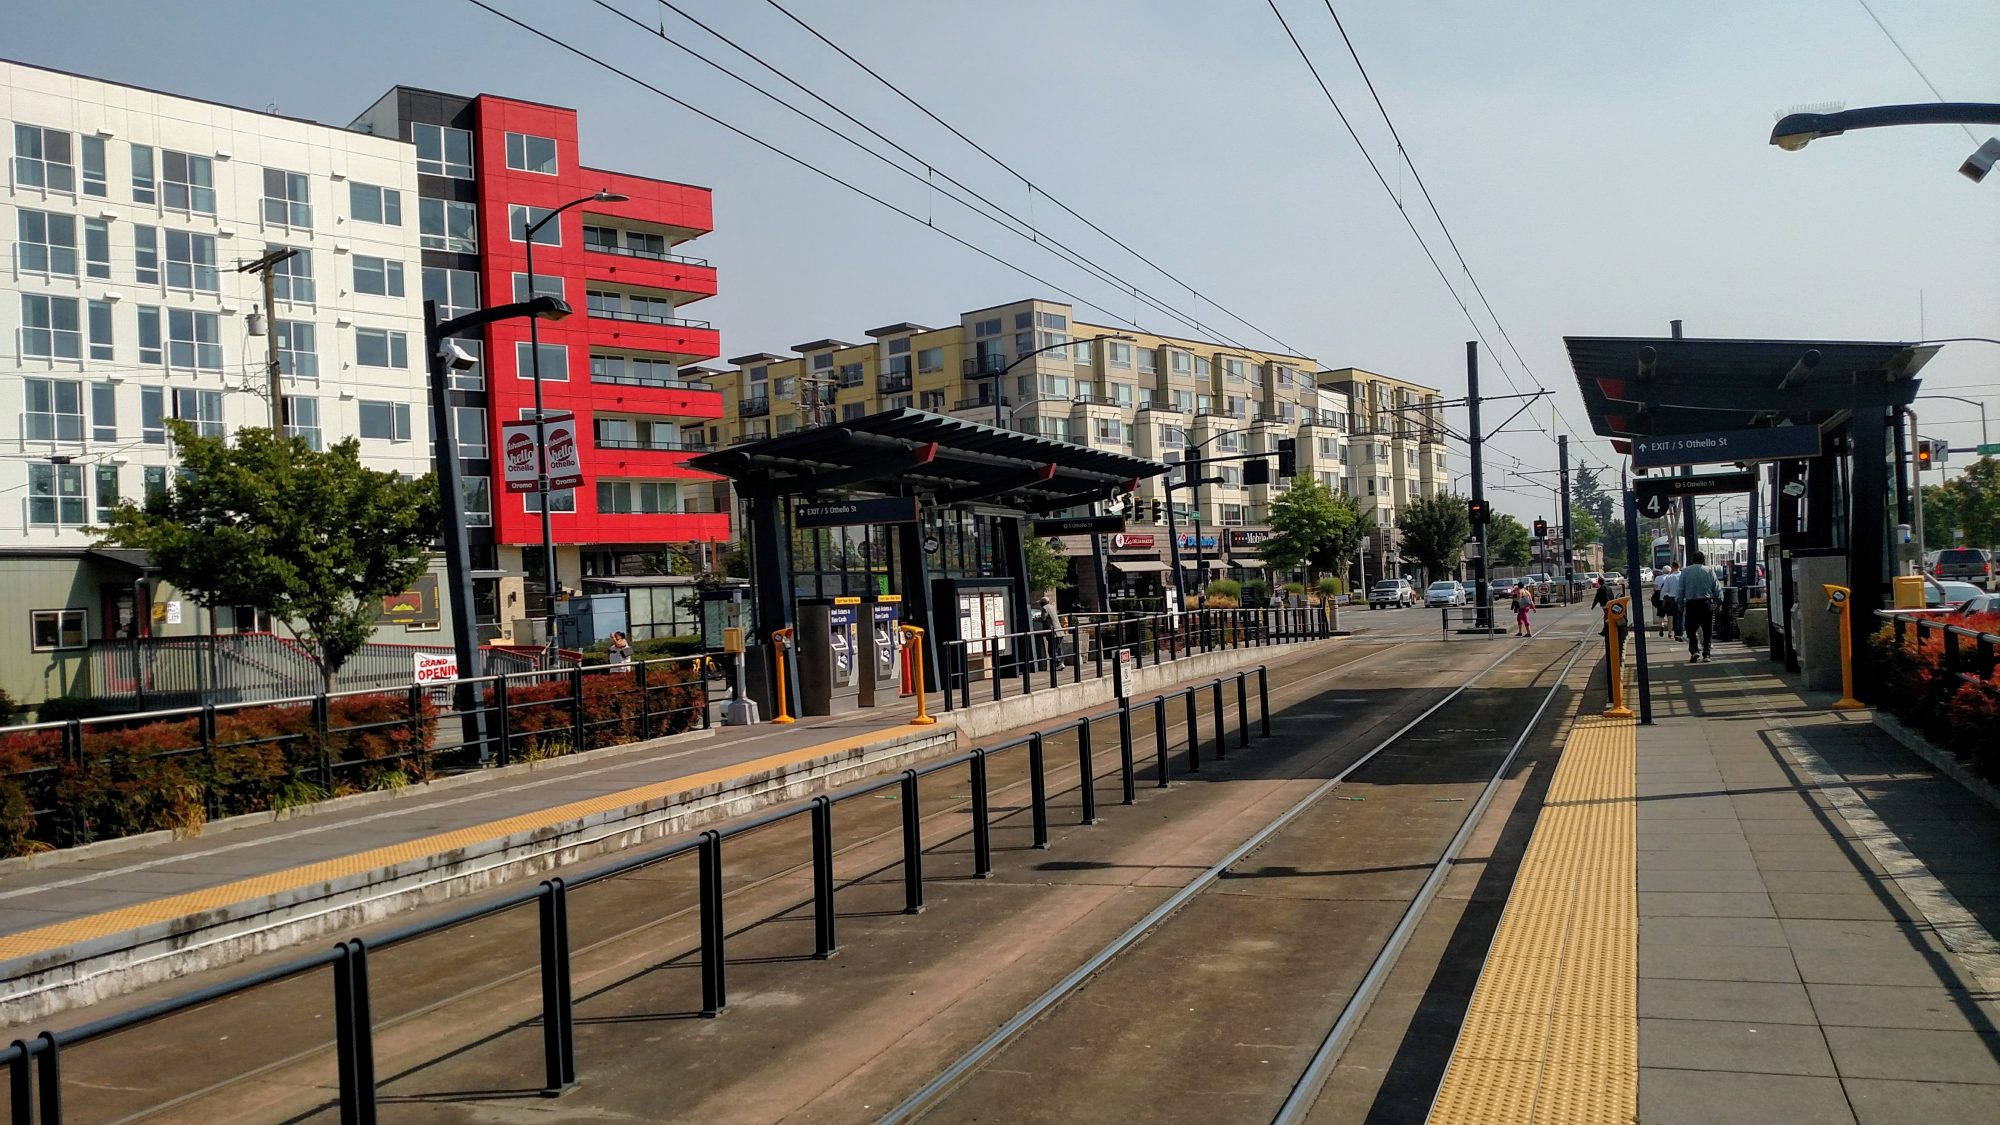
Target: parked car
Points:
(1949, 595)
(1444, 593)
(1645, 576)
(1500, 590)
(1973, 607)
(1968, 564)
(1392, 592)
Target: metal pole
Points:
(1482, 594)
(1638, 612)
(457, 557)
(1200, 552)
(1568, 557)
(1174, 552)
(549, 585)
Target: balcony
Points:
(981, 403)
(684, 341)
(635, 445)
(753, 408)
(893, 384)
(985, 366)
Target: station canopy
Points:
(951, 459)
(1641, 387)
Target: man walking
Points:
(1669, 587)
(1699, 594)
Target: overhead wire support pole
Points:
(1482, 593)
(275, 384)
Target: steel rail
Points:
(922, 1100)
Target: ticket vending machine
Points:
(829, 668)
(882, 650)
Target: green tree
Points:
(1583, 527)
(1587, 492)
(1435, 529)
(1969, 503)
(1614, 545)
(1507, 542)
(1047, 568)
(1305, 519)
(315, 539)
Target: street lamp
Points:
(541, 430)
(1194, 481)
(1969, 402)
(1795, 131)
(457, 559)
(999, 377)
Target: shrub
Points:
(1332, 587)
(63, 708)
(1295, 588)
(1959, 715)
(1224, 588)
(1256, 591)
(541, 720)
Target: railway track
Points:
(1302, 1007)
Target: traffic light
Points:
(1476, 510)
(1159, 511)
(1126, 504)
(1541, 529)
(1924, 454)
(1288, 458)
(1256, 471)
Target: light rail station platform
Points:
(1757, 909)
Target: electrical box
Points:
(1909, 591)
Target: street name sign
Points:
(1079, 525)
(1723, 446)
(1656, 494)
(1987, 450)
(847, 513)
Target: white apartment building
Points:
(126, 213)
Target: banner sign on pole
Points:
(1725, 446)
(519, 464)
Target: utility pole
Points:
(275, 384)
(1690, 521)
(1482, 594)
(1569, 564)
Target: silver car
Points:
(1444, 593)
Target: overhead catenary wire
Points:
(1014, 223)
(1033, 188)
(1894, 42)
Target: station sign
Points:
(1776, 443)
(1079, 525)
(847, 513)
(1657, 494)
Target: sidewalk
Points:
(1755, 910)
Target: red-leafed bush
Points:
(620, 705)
(1958, 713)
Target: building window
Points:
(297, 344)
(529, 153)
(93, 167)
(987, 327)
(626, 496)
(302, 419)
(1056, 321)
(548, 285)
(442, 151)
(1233, 368)
(45, 243)
(55, 495)
(100, 330)
(554, 362)
(57, 629)
(1121, 393)
(930, 359)
(560, 500)
(385, 421)
(145, 188)
(372, 203)
(191, 262)
(103, 412)
(146, 255)
(194, 340)
(54, 410)
(287, 198)
(1110, 431)
(201, 408)
(469, 424)
(153, 479)
(849, 411)
(1148, 361)
(292, 279)
(379, 347)
(520, 217)
(455, 291)
(42, 158)
(96, 248)
(446, 224)
(107, 492)
(187, 182)
(49, 327)
(1179, 362)
(1118, 355)
(478, 495)
(932, 401)
(151, 348)
(152, 415)
(381, 276)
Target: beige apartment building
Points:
(1031, 366)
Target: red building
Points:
(488, 168)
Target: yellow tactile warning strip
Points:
(1552, 1034)
(42, 939)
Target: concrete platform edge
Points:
(1941, 760)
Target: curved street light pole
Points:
(541, 429)
(999, 377)
(1983, 440)
(1193, 470)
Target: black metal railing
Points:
(892, 384)
(753, 407)
(83, 780)
(651, 446)
(652, 381)
(1041, 659)
(603, 313)
(981, 403)
(34, 1065)
(649, 255)
(985, 366)
(1968, 654)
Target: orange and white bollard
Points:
(914, 646)
(781, 640)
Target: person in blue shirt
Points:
(1699, 595)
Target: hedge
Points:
(1960, 716)
(136, 776)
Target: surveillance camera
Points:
(1981, 162)
(457, 358)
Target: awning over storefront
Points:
(1139, 566)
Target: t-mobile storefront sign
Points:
(517, 454)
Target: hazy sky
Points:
(1604, 167)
